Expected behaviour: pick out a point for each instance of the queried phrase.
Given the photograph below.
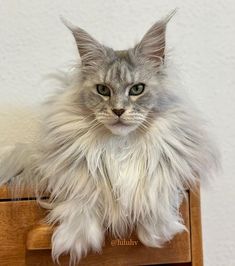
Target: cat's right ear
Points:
(90, 50)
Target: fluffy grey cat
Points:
(118, 149)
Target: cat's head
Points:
(122, 88)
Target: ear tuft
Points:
(152, 45)
(90, 50)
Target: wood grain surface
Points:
(16, 220)
(196, 230)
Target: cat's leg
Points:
(17, 167)
(12, 162)
(80, 230)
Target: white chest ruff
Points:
(126, 188)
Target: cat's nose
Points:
(118, 112)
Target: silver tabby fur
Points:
(103, 176)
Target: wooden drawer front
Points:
(16, 219)
(19, 220)
(116, 252)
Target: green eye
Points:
(137, 89)
(103, 90)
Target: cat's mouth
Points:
(119, 123)
(120, 127)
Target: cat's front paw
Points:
(149, 239)
(153, 235)
(76, 243)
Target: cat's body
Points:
(116, 157)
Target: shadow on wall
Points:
(19, 124)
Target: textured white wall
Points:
(34, 43)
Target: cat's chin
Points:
(121, 129)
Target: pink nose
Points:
(118, 112)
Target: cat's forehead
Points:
(120, 70)
(123, 55)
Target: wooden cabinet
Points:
(24, 240)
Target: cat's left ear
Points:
(152, 45)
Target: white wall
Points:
(34, 43)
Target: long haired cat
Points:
(118, 149)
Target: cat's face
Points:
(121, 88)
(122, 93)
